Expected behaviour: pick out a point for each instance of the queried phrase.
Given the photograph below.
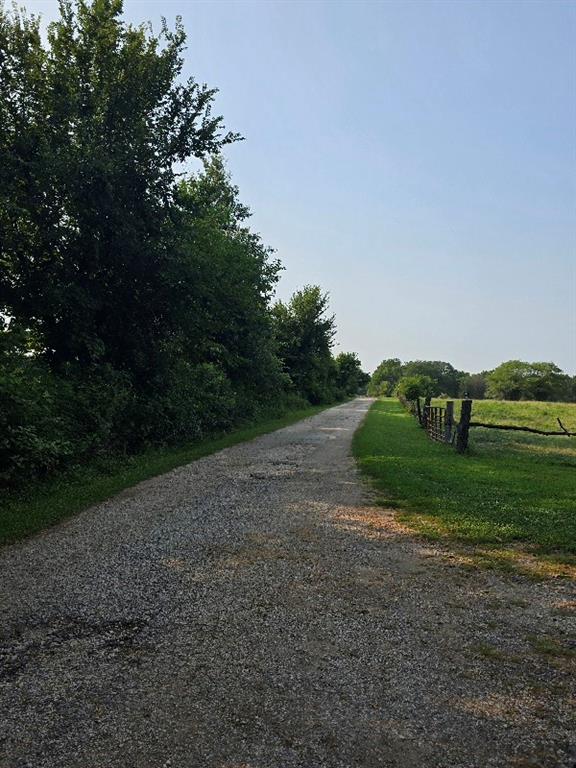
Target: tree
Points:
(519, 380)
(350, 378)
(446, 377)
(220, 280)
(92, 127)
(385, 377)
(546, 381)
(134, 299)
(305, 334)
(413, 387)
(473, 385)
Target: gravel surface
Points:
(253, 609)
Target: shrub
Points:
(32, 435)
(413, 387)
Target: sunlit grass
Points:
(513, 495)
(523, 413)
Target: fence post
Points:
(426, 416)
(464, 426)
(448, 421)
(419, 411)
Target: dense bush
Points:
(413, 387)
(33, 439)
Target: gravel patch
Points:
(253, 610)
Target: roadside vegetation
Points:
(512, 495)
(137, 308)
(33, 508)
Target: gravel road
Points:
(253, 610)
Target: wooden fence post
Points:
(419, 411)
(464, 426)
(448, 421)
(426, 416)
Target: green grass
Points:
(551, 646)
(45, 504)
(523, 413)
(510, 489)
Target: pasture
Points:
(531, 413)
(512, 496)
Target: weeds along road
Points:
(251, 609)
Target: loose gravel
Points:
(254, 610)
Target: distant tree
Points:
(385, 377)
(546, 381)
(305, 334)
(473, 385)
(412, 387)
(446, 377)
(507, 381)
(519, 380)
(350, 378)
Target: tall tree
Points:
(305, 334)
(473, 385)
(350, 378)
(92, 127)
(220, 280)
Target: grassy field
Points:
(524, 414)
(513, 494)
(45, 504)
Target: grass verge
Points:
(511, 499)
(45, 504)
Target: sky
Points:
(417, 160)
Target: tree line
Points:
(136, 304)
(512, 380)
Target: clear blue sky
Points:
(415, 159)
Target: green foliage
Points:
(387, 375)
(44, 503)
(517, 380)
(473, 385)
(510, 488)
(445, 377)
(514, 380)
(32, 440)
(350, 378)
(305, 333)
(413, 387)
(136, 299)
(385, 378)
(91, 129)
(221, 279)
